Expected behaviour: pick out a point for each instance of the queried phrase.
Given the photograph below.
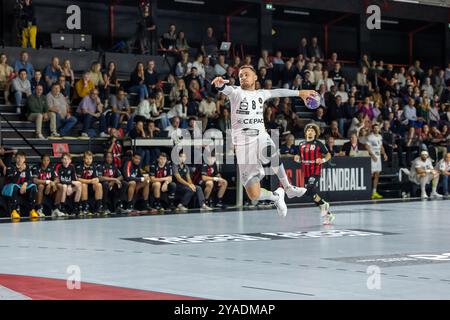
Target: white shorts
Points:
(416, 179)
(251, 158)
(376, 165)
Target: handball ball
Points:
(313, 101)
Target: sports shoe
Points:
(220, 205)
(57, 213)
(424, 196)
(40, 212)
(15, 215)
(204, 207)
(436, 195)
(34, 214)
(280, 204)
(104, 135)
(180, 207)
(293, 191)
(84, 136)
(328, 219)
(41, 137)
(324, 209)
(376, 196)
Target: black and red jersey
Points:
(86, 172)
(160, 172)
(205, 170)
(132, 172)
(14, 175)
(44, 173)
(108, 170)
(65, 174)
(310, 151)
(117, 153)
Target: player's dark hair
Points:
(44, 156)
(163, 154)
(21, 154)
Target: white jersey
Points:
(375, 143)
(443, 166)
(247, 111)
(418, 163)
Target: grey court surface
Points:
(374, 251)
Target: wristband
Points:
(47, 181)
(216, 179)
(142, 179)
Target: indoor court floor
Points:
(373, 251)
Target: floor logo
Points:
(221, 238)
(396, 260)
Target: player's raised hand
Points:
(219, 82)
(305, 94)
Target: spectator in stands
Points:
(195, 93)
(289, 149)
(318, 72)
(221, 67)
(19, 185)
(21, 87)
(120, 109)
(193, 76)
(443, 167)
(185, 189)
(57, 104)
(161, 178)
(183, 67)
(390, 144)
(136, 182)
(67, 184)
(111, 80)
(151, 77)
(410, 114)
(29, 25)
(208, 111)
(169, 38)
(413, 144)
(38, 80)
(209, 178)
(65, 87)
(146, 32)
(365, 61)
(178, 91)
(342, 92)
(180, 111)
(314, 50)
(358, 122)
(44, 178)
(333, 131)
(331, 63)
(97, 76)
(330, 143)
(367, 109)
(307, 83)
(427, 87)
(139, 132)
(23, 63)
(319, 118)
(336, 74)
(362, 81)
(353, 147)
(422, 173)
(67, 72)
(37, 110)
(335, 112)
(137, 82)
(6, 76)
(199, 65)
(439, 82)
(112, 183)
(328, 82)
(264, 61)
(181, 44)
(209, 44)
(52, 72)
(83, 87)
(438, 142)
(174, 130)
(224, 122)
(89, 110)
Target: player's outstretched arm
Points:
(280, 93)
(220, 84)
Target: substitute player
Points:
(313, 154)
(375, 143)
(67, 184)
(251, 140)
(44, 178)
(162, 181)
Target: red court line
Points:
(38, 288)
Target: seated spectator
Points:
(208, 177)
(67, 72)
(112, 183)
(422, 173)
(314, 51)
(186, 189)
(443, 167)
(58, 105)
(21, 87)
(367, 109)
(151, 77)
(19, 185)
(328, 82)
(23, 63)
(330, 143)
(353, 147)
(136, 183)
(38, 80)
(224, 122)
(139, 132)
(174, 130)
(52, 72)
(410, 114)
(342, 92)
(44, 177)
(195, 92)
(120, 109)
(438, 142)
(264, 61)
(193, 76)
(115, 147)
(6, 77)
(390, 144)
(307, 83)
(289, 150)
(97, 77)
(319, 118)
(137, 82)
(83, 87)
(65, 87)
(209, 44)
(208, 112)
(67, 185)
(37, 110)
(90, 185)
(413, 144)
(178, 90)
(199, 65)
(180, 111)
(221, 67)
(161, 178)
(181, 43)
(288, 74)
(333, 131)
(89, 110)
(112, 83)
(169, 38)
(336, 74)
(183, 67)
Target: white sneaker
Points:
(293, 192)
(41, 137)
(280, 203)
(57, 213)
(205, 208)
(436, 195)
(424, 196)
(104, 135)
(182, 208)
(40, 212)
(324, 208)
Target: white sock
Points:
(267, 195)
(374, 190)
(422, 185)
(281, 174)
